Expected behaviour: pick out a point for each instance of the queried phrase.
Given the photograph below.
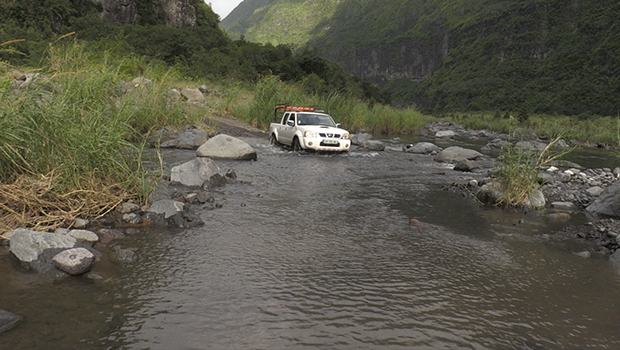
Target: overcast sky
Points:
(223, 7)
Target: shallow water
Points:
(316, 252)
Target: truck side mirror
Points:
(338, 125)
(290, 122)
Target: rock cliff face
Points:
(171, 13)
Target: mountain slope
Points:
(547, 56)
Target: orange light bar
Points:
(295, 108)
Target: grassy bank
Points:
(71, 140)
(591, 129)
(353, 114)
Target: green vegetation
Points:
(71, 138)
(518, 174)
(353, 114)
(586, 128)
(545, 57)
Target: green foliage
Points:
(541, 56)
(352, 113)
(74, 119)
(518, 173)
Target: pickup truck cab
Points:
(308, 128)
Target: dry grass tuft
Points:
(38, 202)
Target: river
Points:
(312, 251)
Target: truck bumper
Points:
(326, 145)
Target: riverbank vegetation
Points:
(71, 139)
(518, 173)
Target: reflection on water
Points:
(317, 253)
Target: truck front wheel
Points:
(296, 146)
(273, 140)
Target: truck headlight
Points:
(346, 136)
(310, 134)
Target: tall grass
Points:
(518, 173)
(78, 121)
(353, 114)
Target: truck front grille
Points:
(329, 135)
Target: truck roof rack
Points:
(286, 108)
(296, 108)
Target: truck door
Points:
(287, 131)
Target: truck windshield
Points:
(314, 119)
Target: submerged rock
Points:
(423, 148)
(454, 154)
(8, 320)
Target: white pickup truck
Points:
(308, 128)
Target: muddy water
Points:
(316, 252)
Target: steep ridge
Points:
(545, 56)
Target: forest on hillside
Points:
(202, 51)
(527, 56)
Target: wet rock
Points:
(74, 261)
(393, 148)
(466, 165)
(442, 134)
(108, 235)
(585, 254)
(133, 218)
(490, 193)
(564, 206)
(595, 191)
(122, 255)
(84, 235)
(194, 172)
(423, 148)
(373, 145)
(167, 207)
(174, 214)
(608, 203)
(454, 154)
(535, 199)
(217, 180)
(495, 145)
(559, 217)
(226, 147)
(128, 207)
(358, 139)
(533, 146)
(8, 320)
(27, 245)
(192, 139)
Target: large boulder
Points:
(358, 139)
(226, 147)
(607, 205)
(455, 154)
(193, 96)
(194, 172)
(423, 148)
(74, 261)
(35, 250)
(27, 245)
